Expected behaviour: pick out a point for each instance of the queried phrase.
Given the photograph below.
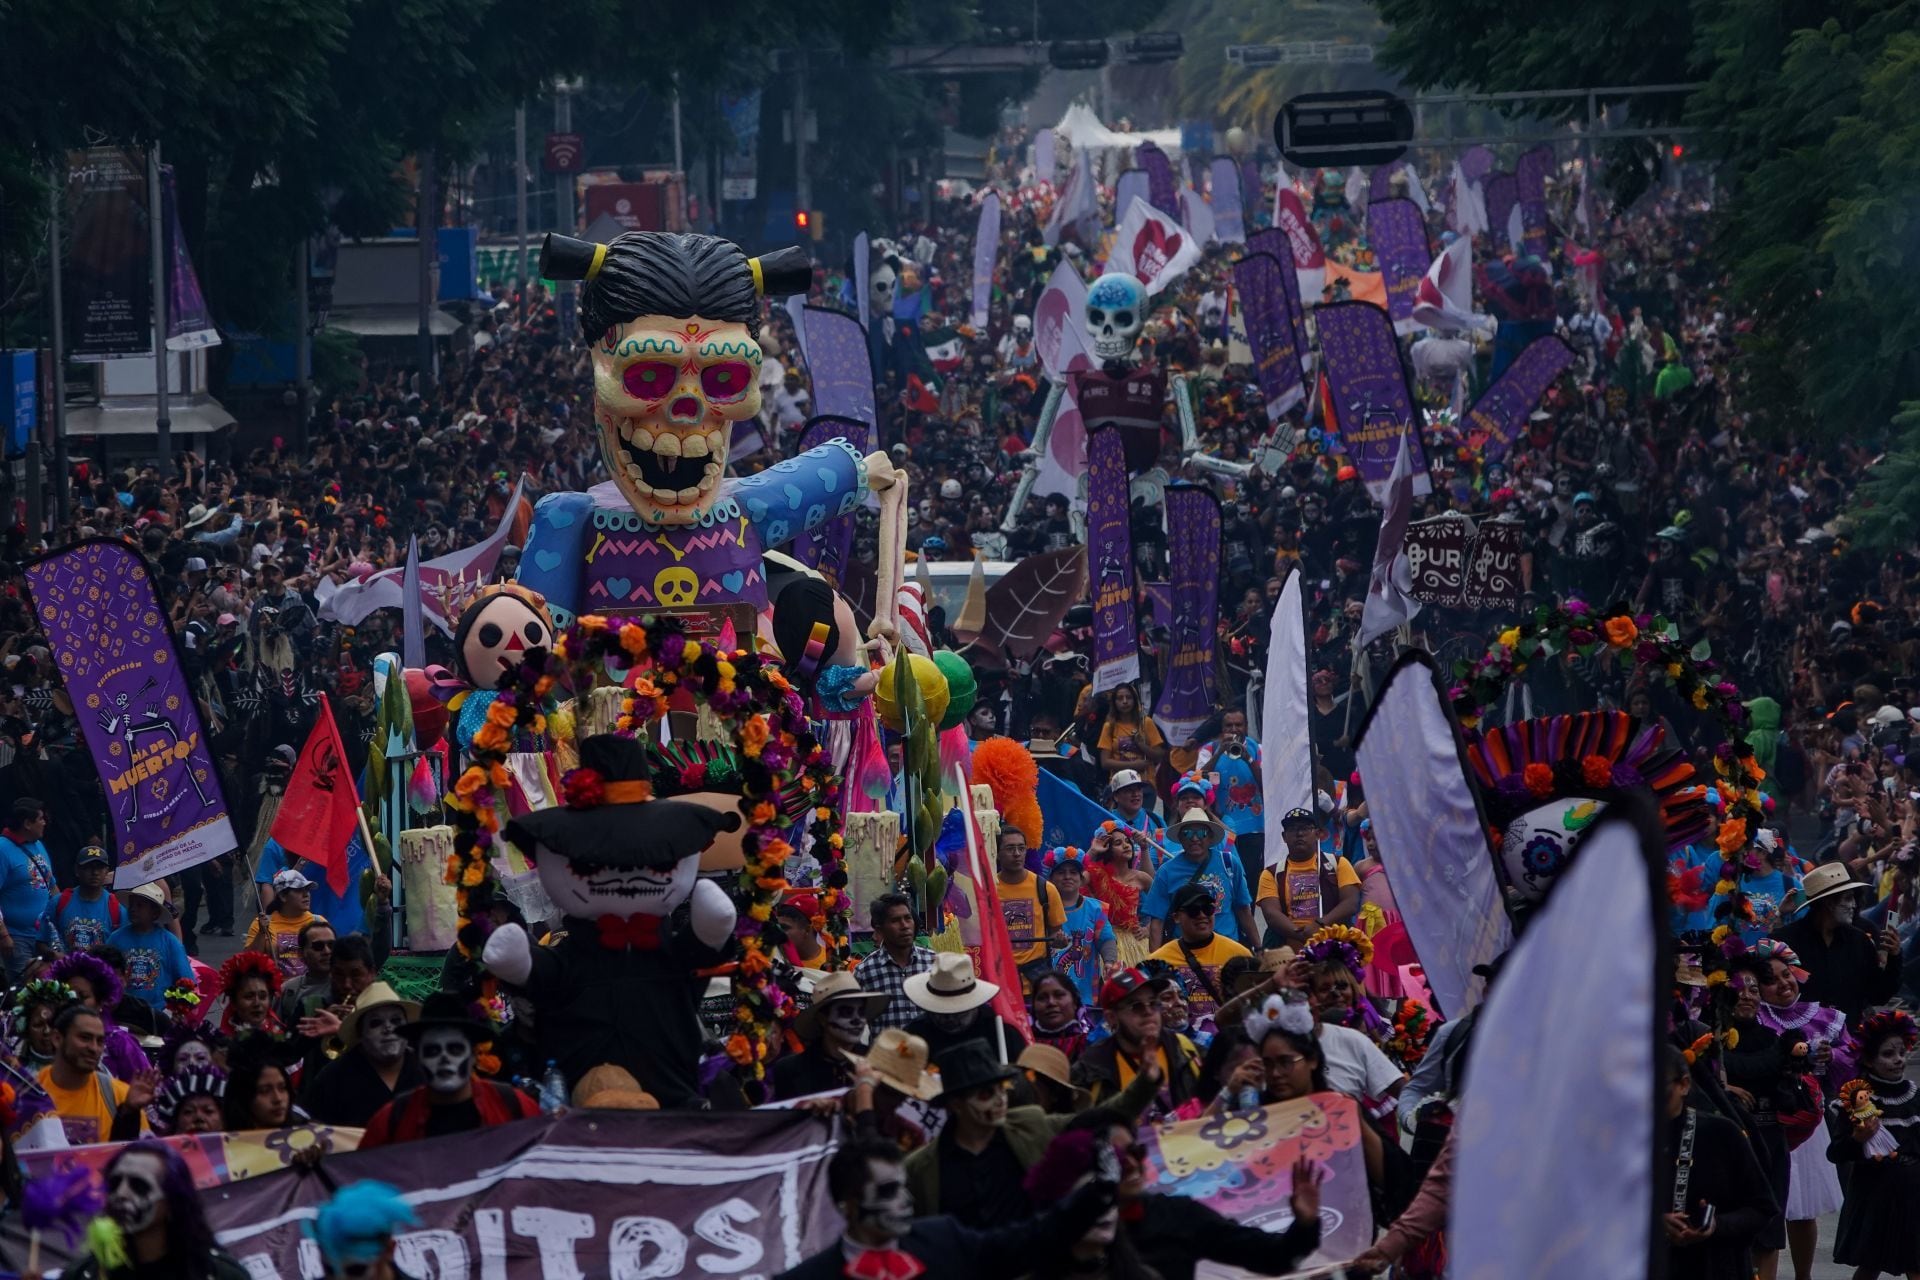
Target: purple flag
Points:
(1260, 279)
(1187, 692)
(1476, 163)
(1162, 191)
(189, 323)
(1277, 243)
(1380, 187)
(1229, 205)
(1398, 234)
(1502, 411)
(829, 547)
(841, 369)
(986, 249)
(1501, 192)
(115, 652)
(1530, 189)
(1116, 642)
(1372, 399)
(1134, 182)
(1253, 192)
(1431, 834)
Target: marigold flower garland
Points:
(754, 703)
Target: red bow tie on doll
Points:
(638, 933)
(885, 1264)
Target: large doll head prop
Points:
(674, 323)
(819, 639)
(497, 631)
(612, 849)
(716, 776)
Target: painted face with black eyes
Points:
(667, 392)
(497, 632)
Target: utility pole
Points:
(520, 197)
(802, 188)
(426, 220)
(156, 225)
(59, 351)
(302, 343)
(563, 123)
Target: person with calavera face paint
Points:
(834, 1028)
(674, 326)
(446, 1038)
(156, 1213)
(376, 1065)
(885, 1241)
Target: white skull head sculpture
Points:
(882, 280)
(1537, 846)
(1116, 312)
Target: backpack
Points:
(113, 908)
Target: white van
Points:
(950, 578)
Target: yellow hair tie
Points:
(599, 260)
(759, 280)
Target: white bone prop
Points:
(711, 913)
(892, 561)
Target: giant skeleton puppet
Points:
(674, 323)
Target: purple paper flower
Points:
(63, 1203)
(1578, 608)
(1580, 635)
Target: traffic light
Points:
(1154, 46)
(1678, 151)
(1351, 127)
(1077, 55)
(801, 219)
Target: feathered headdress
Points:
(249, 964)
(106, 984)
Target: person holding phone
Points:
(1712, 1197)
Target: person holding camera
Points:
(1235, 759)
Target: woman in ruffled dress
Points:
(1813, 1191)
(1879, 1228)
(1115, 877)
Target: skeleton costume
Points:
(445, 1039)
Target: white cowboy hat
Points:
(836, 986)
(1826, 880)
(1199, 815)
(950, 987)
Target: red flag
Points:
(320, 811)
(994, 963)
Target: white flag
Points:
(1444, 300)
(1286, 755)
(1077, 201)
(1468, 211)
(1152, 247)
(1390, 601)
(1197, 214)
(442, 577)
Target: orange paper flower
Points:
(1538, 779)
(1732, 836)
(1621, 632)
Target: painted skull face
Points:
(446, 1057)
(380, 1033)
(1116, 312)
(496, 632)
(985, 1106)
(192, 1055)
(1539, 845)
(667, 392)
(846, 1021)
(881, 283)
(134, 1196)
(885, 1203)
(590, 890)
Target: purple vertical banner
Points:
(1187, 686)
(189, 323)
(1116, 640)
(1398, 234)
(1372, 399)
(1501, 192)
(829, 547)
(1133, 182)
(1530, 190)
(115, 651)
(1229, 204)
(1163, 193)
(1260, 280)
(1380, 187)
(841, 370)
(986, 250)
(1253, 192)
(1275, 242)
(1503, 410)
(1476, 163)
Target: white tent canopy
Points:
(1081, 128)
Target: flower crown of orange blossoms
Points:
(779, 759)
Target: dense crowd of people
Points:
(1192, 961)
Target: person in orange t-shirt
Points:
(1036, 918)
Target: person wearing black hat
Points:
(445, 1039)
(1196, 953)
(974, 1169)
(1309, 889)
(624, 869)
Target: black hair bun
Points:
(783, 273)
(565, 258)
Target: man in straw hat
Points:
(376, 1065)
(446, 1038)
(954, 1009)
(1847, 967)
(1204, 860)
(834, 1029)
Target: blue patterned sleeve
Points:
(554, 560)
(802, 493)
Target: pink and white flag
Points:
(442, 579)
(1152, 247)
(1390, 601)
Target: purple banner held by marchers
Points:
(1275, 242)
(1380, 187)
(189, 323)
(1133, 182)
(1253, 192)
(829, 547)
(1260, 281)
(1501, 192)
(986, 249)
(1530, 190)
(116, 656)
(1476, 163)
(841, 370)
(1116, 637)
(1372, 400)
(1187, 693)
(1229, 207)
(1163, 193)
(1503, 410)
(725, 1194)
(1398, 234)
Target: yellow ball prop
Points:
(933, 692)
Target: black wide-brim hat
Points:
(444, 1009)
(597, 826)
(966, 1066)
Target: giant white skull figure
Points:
(1539, 844)
(1116, 312)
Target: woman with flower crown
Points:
(1879, 1230)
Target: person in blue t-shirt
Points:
(1203, 860)
(155, 958)
(26, 886)
(84, 916)
(1091, 948)
(1235, 758)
